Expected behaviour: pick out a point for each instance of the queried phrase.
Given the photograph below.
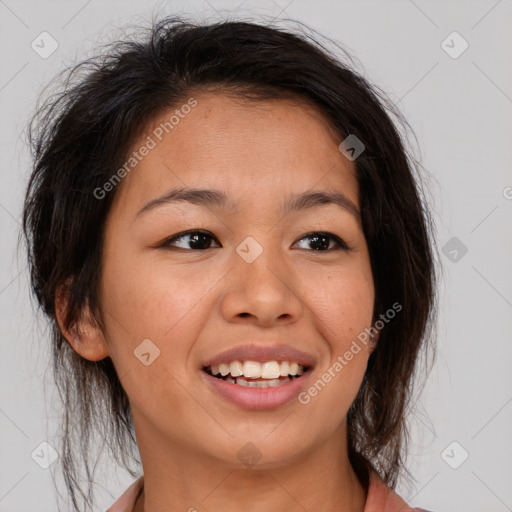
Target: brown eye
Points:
(190, 240)
(321, 241)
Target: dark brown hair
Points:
(82, 135)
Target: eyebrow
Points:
(218, 199)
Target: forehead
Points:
(250, 149)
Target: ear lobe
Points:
(85, 336)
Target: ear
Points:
(373, 342)
(85, 336)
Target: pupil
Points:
(202, 237)
(325, 240)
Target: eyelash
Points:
(342, 245)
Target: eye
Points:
(321, 241)
(200, 240)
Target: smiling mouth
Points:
(256, 382)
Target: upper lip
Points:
(262, 353)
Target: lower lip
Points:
(258, 399)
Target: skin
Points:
(193, 304)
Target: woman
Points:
(231, 243)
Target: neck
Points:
(181, 478)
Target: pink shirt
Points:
(380, 498)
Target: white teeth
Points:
(252, 369)
(260, 383)
(224, 369)
(270, 370)
(235, 368)
(294, 368)
(255, 370)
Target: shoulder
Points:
(382, 498)
(126, 501)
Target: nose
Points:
(263, 292)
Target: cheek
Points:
(342, 306)
(151, 297)
(342, 301)
(147, 301)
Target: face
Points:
(256, 275)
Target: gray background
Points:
(460, 108)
